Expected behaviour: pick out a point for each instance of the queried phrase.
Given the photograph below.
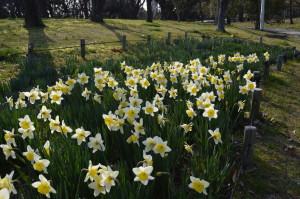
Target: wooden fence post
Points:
(186, 34)
(285, 57)
(203, 36)
(279, 62)
(256, 78)
(266, 69)
(296, 54)
(124, 42)
(256, 98)
(82, 48)
(148, 38)
(294, 48)
(248, 145)
(169, 38)
(260, 39)
(30, 55)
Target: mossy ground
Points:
(276, 172)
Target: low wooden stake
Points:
(256, 78)
(30, 55)
(82, 48)
(260, 39)
(294, 48)
(256, 98)
(266, 69)
(296, 54)
(279, 62)
(148, 38)
(124, 42)
(186, 34)
(285, 57)
(169, 38)
(248, 145)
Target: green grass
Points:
(277, 168)
(68, 32)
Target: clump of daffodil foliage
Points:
(161, 131)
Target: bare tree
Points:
(32, 13)
(97, 10)
(221, 15)
(149, 11)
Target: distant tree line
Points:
(181, 10)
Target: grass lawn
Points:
(67, 33)
(276, 172)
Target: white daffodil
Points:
(149, 143)
(96, 143)
(187, 127)
(56, 97)
(198, 185)
(32, 96)
(64, 129)
(55, 124)
(109, 178)
(93, 170)
(86, 94)
(30, 154)
(98, 188)
(147, 160)
(131, 112)
(44, 113)
(8, 151)
(25, 124)
(150, 109)
(83, 78)
(4, 193)
(80, 135)
(216, 135)
(210, 113)
(138, 127)
(43, 186)
(161, 147)
(47, 147)
(41, 164)
(7, 183)
(143, 174)
(9, 137)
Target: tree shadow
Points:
(112, 29)
(37, 69)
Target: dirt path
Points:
(290, 32)
(276, 173)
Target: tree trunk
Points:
(149, 11)
(85, 9)
(163, 11)
(221, 15)
(217, 13)
(97, 10)
(241, 14)
(32, 14)
(291, 12)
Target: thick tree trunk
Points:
(149, 11)
(163, 12)
(291, 12)
(241, 14)
(32, 14)
(97, 10)
(221, 16)
(86, 12)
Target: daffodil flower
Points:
(43, 186)
(198, 185)
(143, 174)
